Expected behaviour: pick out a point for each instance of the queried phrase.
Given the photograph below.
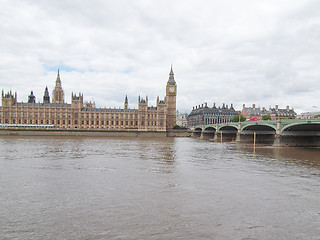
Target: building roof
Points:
(213, 110)
(253, 111)
(282, 112)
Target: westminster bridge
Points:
(295, 132)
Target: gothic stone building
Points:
(79, 115)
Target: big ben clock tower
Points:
(171, 94)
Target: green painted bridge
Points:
(294, 129)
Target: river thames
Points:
(161, 188)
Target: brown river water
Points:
(161, 188)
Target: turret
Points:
(77, 101)
(8, 99)
(46, 97)
(126, 102)
(31, 98)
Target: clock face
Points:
(171, 89)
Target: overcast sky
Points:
(265, 52)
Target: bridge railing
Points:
(261, 122)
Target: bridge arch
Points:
(209, 132)
(259, 126)
(227, 128)
(197, 132)
(267, 129)
(307, 128)
(209, 128)
(262, 133)
(198, 129)
(228, 132)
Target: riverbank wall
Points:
(179, 133)
(69, 132)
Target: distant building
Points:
(253, 112)
(282, 113)
(308, 115)
(256, 113)
(182, 120)
(204, 115)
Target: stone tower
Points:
(46, 97)
(31, 98)
(126, 102)
(77, 101)
(57, 94)
(8, 99)
(171, 94)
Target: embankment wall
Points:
(93, 133)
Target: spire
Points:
(57, 94)
(171, 76)
(171, 72)
(58, 81)
(126, 102)
(46, 97)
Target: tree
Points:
(266, 117)
(176, 127)
(236, 118)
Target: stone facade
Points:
(256, 113)
(277, 112)
(309, 115)
(204, 115)
(253, 112)
(79, 115)
(182, 120)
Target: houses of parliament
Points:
(79, 115)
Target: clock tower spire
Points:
(171, 94)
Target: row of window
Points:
(76, 115)
(76, 122)
(194, 121)
(25, 126)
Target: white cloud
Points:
(263, 52)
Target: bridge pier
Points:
(215, 138)
(277, 141)
(201, 135)
(277, 136)
(278, 131)
(238, 137)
